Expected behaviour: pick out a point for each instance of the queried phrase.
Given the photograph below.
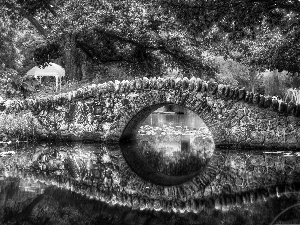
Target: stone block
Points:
(178, 83)
(275, 104)
(132, 86)
(204, 87)
(122, 86)
(153, 83)
(227, 91)
(185, 83)
(268, 102)
(212, 87)
(192, 84)
(231, 93)
(98, 110)
(236, 94)
(145, 83)
(160, 83)
(172, 83)
(139, 83)
(221, 90)
(291, 107)
(261, 103)
(198, 85)
(282, 108)
(117, 85)
(297, 110)
(242, 94)
(167, 83)
(256, 99)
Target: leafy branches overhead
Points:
(46, 52)
(259, 33)
(157, 33)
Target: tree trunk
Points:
(276, 84)
(252, 74)
(73, 70)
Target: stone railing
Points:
(144, 84)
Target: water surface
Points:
(80, 183)
(72, 183)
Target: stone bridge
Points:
(114, 111)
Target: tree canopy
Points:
(150, 36)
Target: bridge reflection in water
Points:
(96, 183)
(245, 186)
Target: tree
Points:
(8, 52)
(148, 36)
(236, 74)
(263, 31)
(139, 35)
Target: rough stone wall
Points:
(105, 112)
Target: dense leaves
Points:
(13, 85)
(150, 36)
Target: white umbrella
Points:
(51, 70)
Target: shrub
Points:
(18, 126)
(13, 85)
(292, 95)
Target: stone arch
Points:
(133, 121)
(148, 102)
(131, 128)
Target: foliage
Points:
(8, 52)
(235, 73)
(46, 51)
(147, 37)
(292, 95)
(6, 76)
(19, 126)
(140, 36)
(12, 85)
(275, 82)
(260, 32)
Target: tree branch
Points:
(92, 54)
(36, 24)
(29, 17)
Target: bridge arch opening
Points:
(166, 155)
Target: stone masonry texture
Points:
(113, 111)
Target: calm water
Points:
(175, 142)
(77, 183)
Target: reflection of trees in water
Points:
(169, 139)
(176, 155)
(184, 165)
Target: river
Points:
(96, 183)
